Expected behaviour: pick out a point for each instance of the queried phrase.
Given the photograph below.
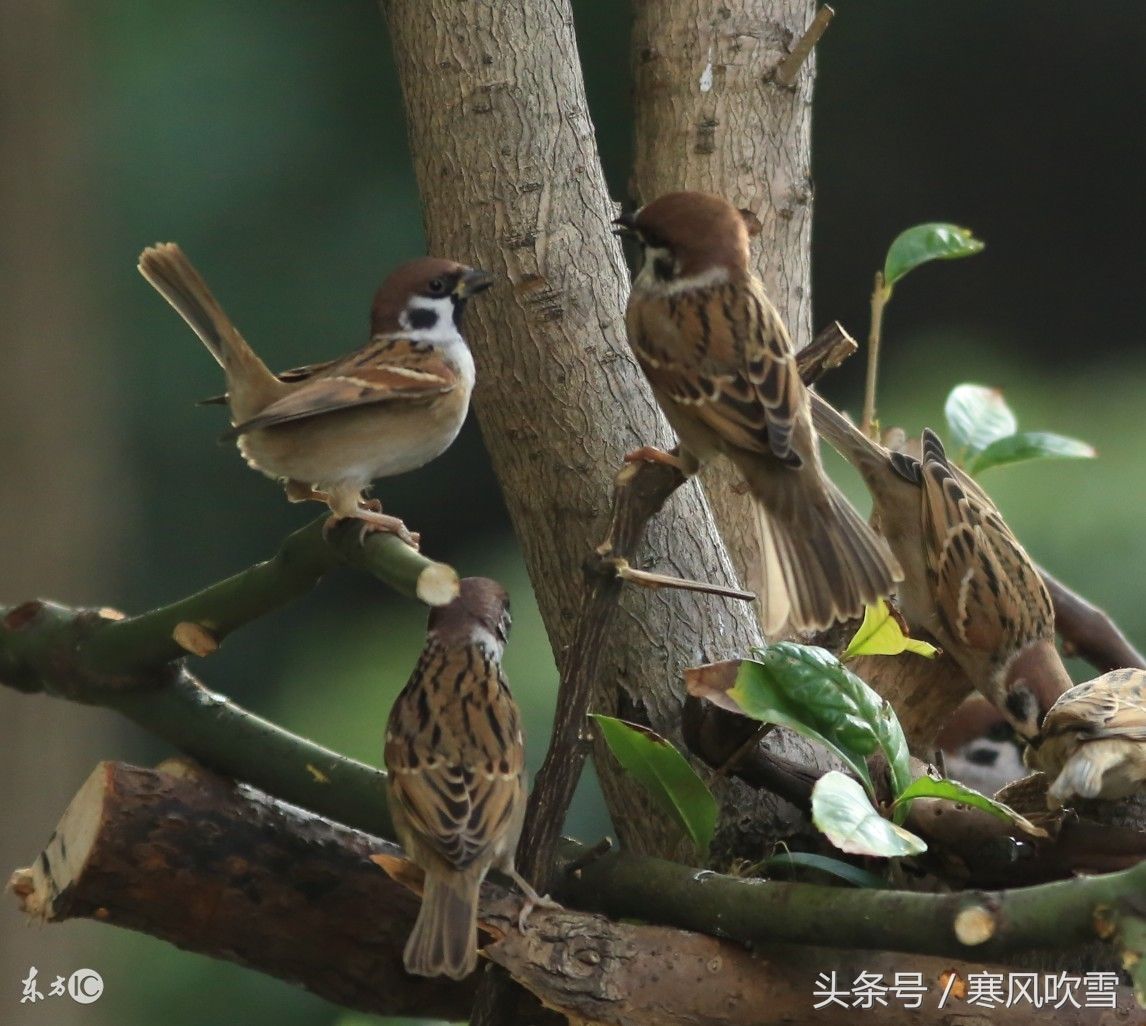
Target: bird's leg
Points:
(532, 899)
(348, 504)
(674, 459)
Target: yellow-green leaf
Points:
(881, 633)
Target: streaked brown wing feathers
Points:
(455, 754)
(738, 374)
(384, 371)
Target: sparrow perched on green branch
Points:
(329, 429)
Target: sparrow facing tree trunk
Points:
(723, 369)
(455, 756)
(329, 429)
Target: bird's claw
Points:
(651, 454)
(531, 901)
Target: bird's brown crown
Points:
(701, 231)
(481, 602)
(427, 276)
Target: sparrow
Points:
(1093, 740)
(329, 429)
(723, 370)
(967, 582)
(455, 759)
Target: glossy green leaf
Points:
(666, 775)
(950, 790)
(825, 864)
(808, 690)
(1029, 445)
(978, 416)
(843, 812)
(882, 634)
(924, 242)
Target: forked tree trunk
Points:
(510, 178)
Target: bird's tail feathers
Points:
(830, 561)
(174, 277)
(443, 941)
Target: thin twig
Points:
(648, 579)
(879, 296)
(787, 72)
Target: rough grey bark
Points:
(506, 161)
(709, 117)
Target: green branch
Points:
(149, 639)
(135, 666)
(972, 924)
(43, 649)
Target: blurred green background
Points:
(267, 137)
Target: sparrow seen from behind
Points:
(1093, 740)
(329, 429)
(967, 581)
(723, 370)
(457, 781)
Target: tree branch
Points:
(226, 871)
(41, 650)
(1088, 631)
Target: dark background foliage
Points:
(267, 137)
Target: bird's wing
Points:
(1113, 705)
(385, 371)
(987, 590)
(455, 754)
(725, 353)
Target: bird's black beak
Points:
(472, 282)
(626, 225)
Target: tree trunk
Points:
(510, 180)
(709, 117)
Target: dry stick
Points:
(1088, 631)
(787, 72)
(879, 297)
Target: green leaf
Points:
(978, 416)
(926, 242)
(806, 689)
(666, 775)
(846, 816)
(950, 790)
(1029, 445)
(881, 633)
(825, 864)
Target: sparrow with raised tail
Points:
(1093, 740)
(967, 581)
(457, 782)
(724, 372)
(330, 429)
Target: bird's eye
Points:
(437, 286)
